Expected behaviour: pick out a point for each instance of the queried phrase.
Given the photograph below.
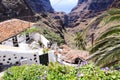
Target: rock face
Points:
(96, 5)
(116, 4)
(86, 9)
(20, 8)
(62, 17)
(40, 5)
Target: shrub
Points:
(61, 72)
(91, 72)
(26, 72)
(55, 71)
(45, 50)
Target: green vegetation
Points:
(61, 72)
(91, 72)
(30, 30)
(49, 34)
(34, 72)
(45, 50)
(106, 49)
(52, 36)
(55, 71)
(104, 45)
(79, 41)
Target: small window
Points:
(15, 57)
(9, 58)
(3, 59)
(4, 56)
(8, 62)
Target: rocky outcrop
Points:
(40, 5)
(87, 9)
(21, 8)
(62, 18)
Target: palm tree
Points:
(79, 41)
(106, 49)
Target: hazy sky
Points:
(63, 5)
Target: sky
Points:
(63, 5)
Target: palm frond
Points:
(110, 31)
(106, 49)
(111, 55)
(100, 52)
(113, 11)
(105, 42)
(80, 42)
(109, 19)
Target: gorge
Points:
(92, 26)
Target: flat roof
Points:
(9, 47)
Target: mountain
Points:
(21, 8)
(83, 14)
(85, 10)
(40, 5)
(116, 4)
(79, 17)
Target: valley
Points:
(89, 35)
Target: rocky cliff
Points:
(22, 8)
(40, 5)
(116, 4)
(85, 10)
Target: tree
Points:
(106, 50)
(79, 41)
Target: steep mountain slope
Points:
(81, 16)
(40, 5)
(85, 11)
(20, 8)
(116, 4)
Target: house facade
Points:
(11, 37)
(10, 32)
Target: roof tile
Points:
(12, 27)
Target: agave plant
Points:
(106, 49)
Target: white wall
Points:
(8, 42)
(10, 56)
(39, 37)
(52, 56)
(22, 39)
(44, 40)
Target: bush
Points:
(26, 72)
(52, 36)
(91, 72)
(55, 71)
(61, 72)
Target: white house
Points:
(10, 33)
(11, 50)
